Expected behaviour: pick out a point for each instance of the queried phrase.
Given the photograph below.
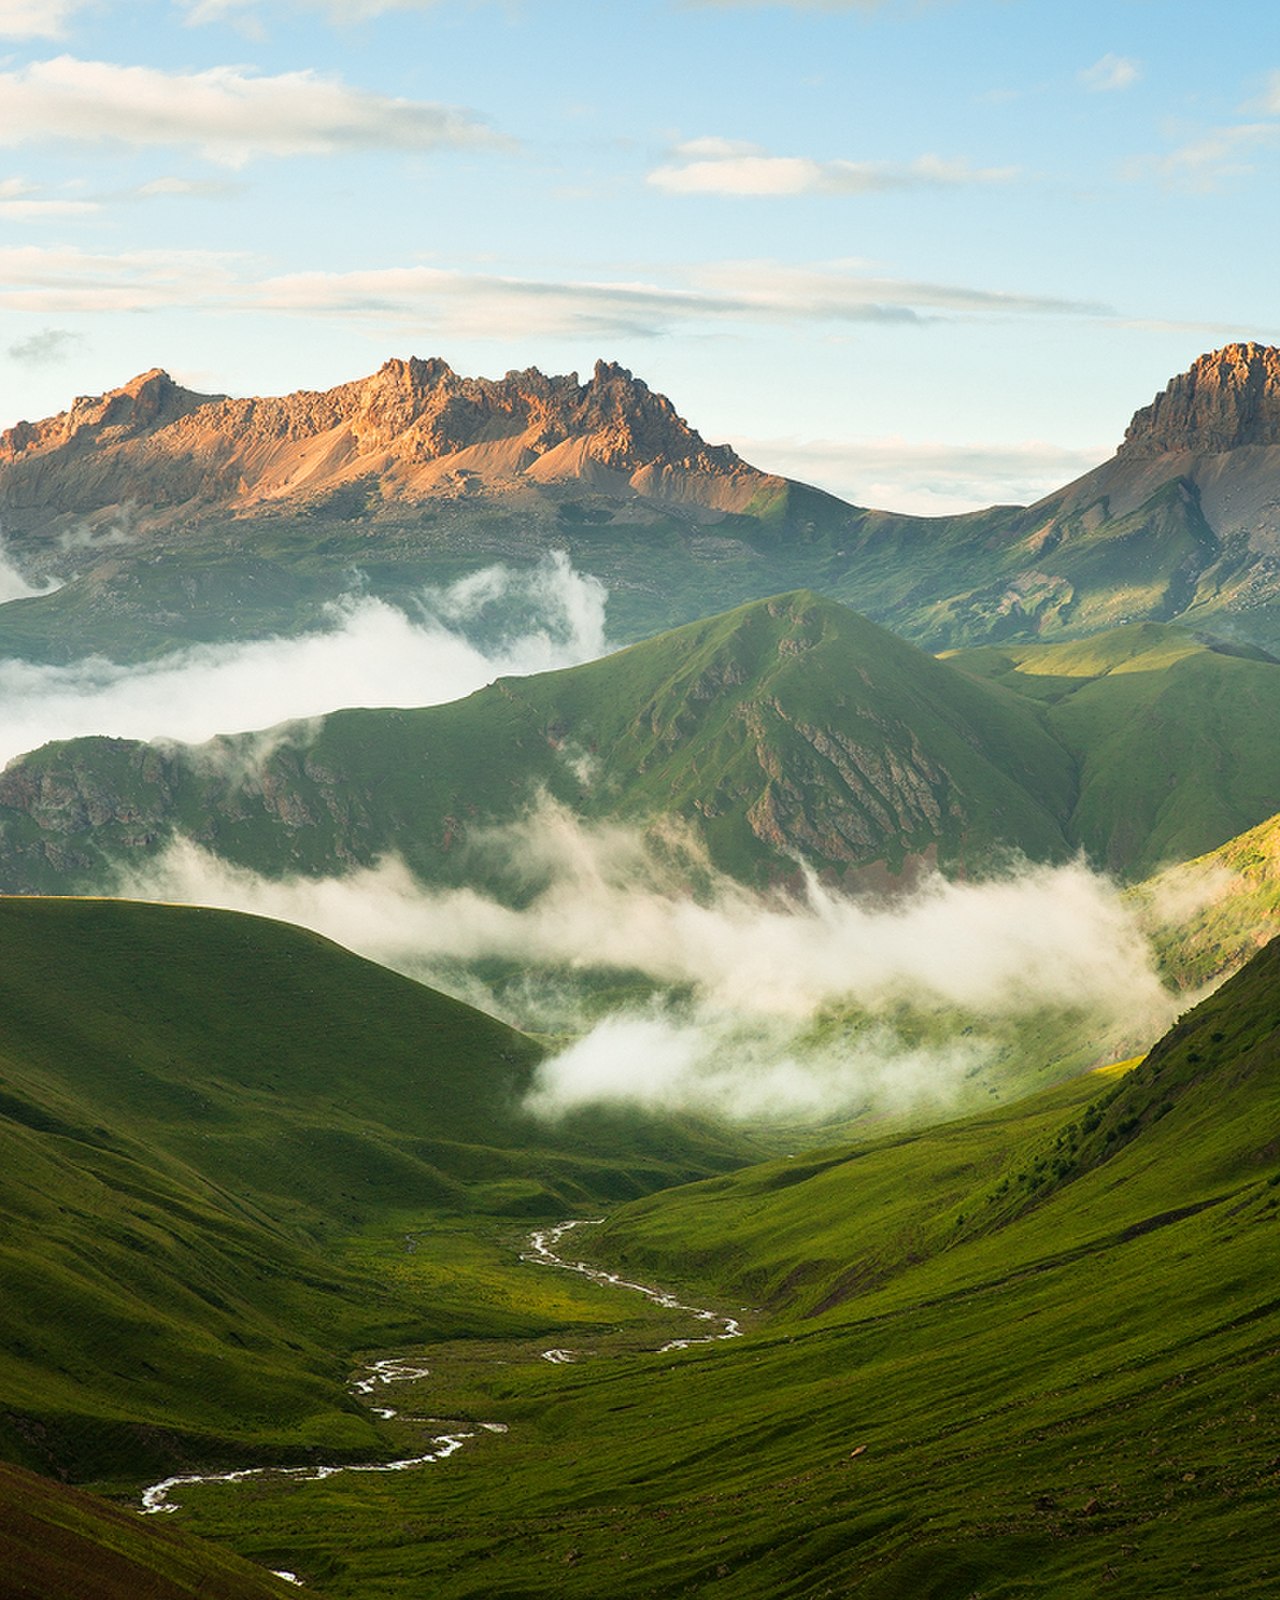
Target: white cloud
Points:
(373, 655)
(62, 278)
(922, 477)
(161, 188)
(725, 167)
(758, 970)
(438, 301)
(37, 19)
(229, 114)
(342, 11)
(1110, 73)
(699, 1060)
(22, 202)
(790, 5)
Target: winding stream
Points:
(542, 1251)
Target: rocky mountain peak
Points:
(151, 400)
(1227, 398)
(417, 427)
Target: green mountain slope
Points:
(56, 1541)
(1207, 916)
(1174, 740)
(1027, 1355)
(787, 727)
(196, 1109)
(790, 728)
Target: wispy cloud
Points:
(1210, 159)
(23, 202)
(480, 305)
(229, 114)
(44, 348)
(342, 11)
(372, 654)
(790, 5)
(1269, 101)
(922, 477)
(62, 279)
(490, 306)
(726, 167)
(1110, 73)
(1205, 159)
(36, 19)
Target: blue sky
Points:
(927, 254)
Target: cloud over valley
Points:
(742, 1003)
(373, 653)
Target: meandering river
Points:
(542, 1250)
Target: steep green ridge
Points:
(1027, 1355)
(787, 727)
(1175, 740)
(1207, 916)
(56, 1541)
(195, 1109)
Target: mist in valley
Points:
(659, 981)
(670, 986)
(372, 653)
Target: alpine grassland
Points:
(1142, 705)
(198, 1108)
(1026, 1353)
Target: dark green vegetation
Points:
(788, 728)
(1033, 1353)
(194, 1108)
(59, 1542)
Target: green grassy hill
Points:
(1207, 916)
(197, 1110)
(1027, 1355)
(789, 726)
(57, 1541)
(1174, 740)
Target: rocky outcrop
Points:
(1228, 398)
(147, 403)
(414, 431)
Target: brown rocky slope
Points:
(413, 431)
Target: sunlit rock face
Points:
(413, 431)
(1228, 398)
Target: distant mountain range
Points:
(412, 434)
(172, 516)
